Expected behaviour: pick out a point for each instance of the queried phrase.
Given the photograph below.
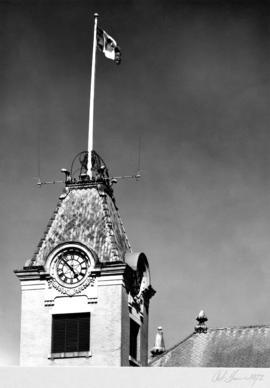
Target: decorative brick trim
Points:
(71, 291)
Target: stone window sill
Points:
(53, 356)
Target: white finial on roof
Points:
(201, 326)
(159, 346)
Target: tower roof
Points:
(86, 213)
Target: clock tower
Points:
(85, 294)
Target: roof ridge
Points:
(109, 225)
(109, 214)
(123, 228)
(47, 228)
(239, 327)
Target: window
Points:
(70, 334)
(133, 341)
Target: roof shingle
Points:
(241, 347)
(89, 216)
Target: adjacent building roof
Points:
(245, 347)
(87, 215)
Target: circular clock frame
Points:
(70, 265)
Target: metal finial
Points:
(159, 346)
(201, 326)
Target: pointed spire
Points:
(159, 346)
(201, 326)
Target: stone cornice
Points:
(113, 269)
(38, 272)
(32, 273)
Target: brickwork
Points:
(105, 330)
(109, 322)
(106, 327)
(35, 327)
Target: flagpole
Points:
(92, 95)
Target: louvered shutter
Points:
(70, 333)
(72, 325)
(58, 334)
(84, 333)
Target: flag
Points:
(108, 46)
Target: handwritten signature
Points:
(228, 376)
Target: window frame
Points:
(134, 342)
(80, 350)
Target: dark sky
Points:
(194, 86)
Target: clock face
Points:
(71, 265)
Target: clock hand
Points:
(74, 267)
(70, 267)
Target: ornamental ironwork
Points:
(79, 172)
